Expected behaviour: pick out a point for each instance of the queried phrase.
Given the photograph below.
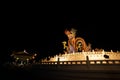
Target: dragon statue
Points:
(75, 44)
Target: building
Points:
(23, 57)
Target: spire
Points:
(25, 51)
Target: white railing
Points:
(87, 61)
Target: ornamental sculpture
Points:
(75, 44)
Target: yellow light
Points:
(17, 58)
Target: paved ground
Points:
(58, 73)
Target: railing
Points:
(84, 62)
(64, 62)
(87, 61)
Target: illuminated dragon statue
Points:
(75, 44)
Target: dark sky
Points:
(43, 33)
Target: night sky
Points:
(43, 33)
